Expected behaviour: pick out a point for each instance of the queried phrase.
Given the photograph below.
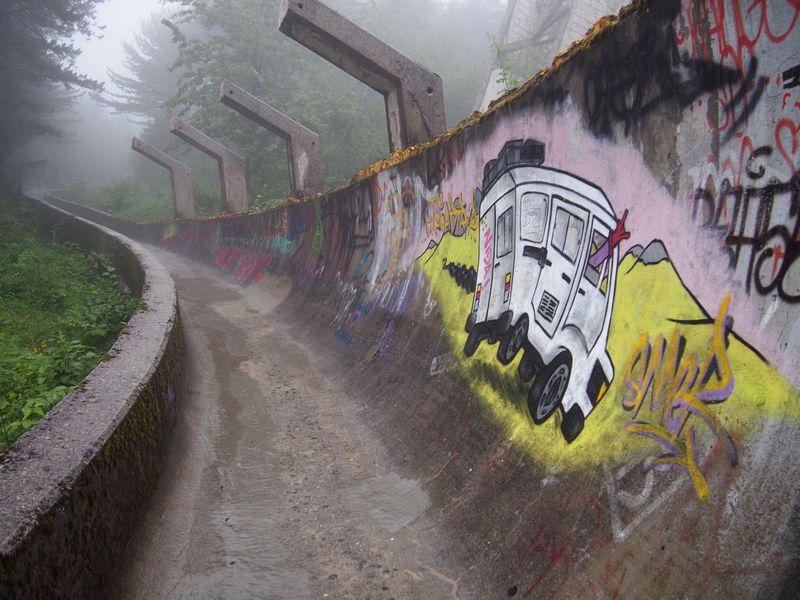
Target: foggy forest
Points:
(71, 131)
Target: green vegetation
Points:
(129, 200)
(505, 76)
(59, 312)
(37, 60)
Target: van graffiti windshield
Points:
(593, 273)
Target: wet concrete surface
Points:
(273, 488)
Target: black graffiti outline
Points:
(766, 235)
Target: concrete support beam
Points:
(231, 166)
(414, 97)
(180, 174)
(302, 145)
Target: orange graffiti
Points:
(680, 387)
(447, 216)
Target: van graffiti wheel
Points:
(530, 365)
(572, 425)
(473, 341)
(549, 387)
(512, 341)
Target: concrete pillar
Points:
(180, 174)
(302, 145)
(414, 97)
(231, 165)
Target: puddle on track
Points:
(390, 501)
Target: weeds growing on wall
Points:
(505, 75)
(60, 310)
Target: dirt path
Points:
(273, 488)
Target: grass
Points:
(60, 310)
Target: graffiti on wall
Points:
(747, 190)
(682, 389)
(760, 221)
(540, 273)
(547, 263)
(556, 274)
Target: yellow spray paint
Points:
(648, 298)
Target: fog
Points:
(95, 148)
(90, 129)
(120, 20)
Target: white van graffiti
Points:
(547, 266)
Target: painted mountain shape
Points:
(651, 299)
(653, 254)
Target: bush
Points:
(125, 199)
(59, 312)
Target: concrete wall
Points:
(72, 487)
(672, 133)
(148, 232)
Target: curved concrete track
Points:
(305, 468)
(273, 488)
(362, 428)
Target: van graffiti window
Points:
(505, 233)
(533, 217)
(567, 233)
(593, 273)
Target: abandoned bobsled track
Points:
(552, 352)
(304, 468)
(275, 488)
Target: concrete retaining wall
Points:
(71, 488)
(642, 442)
(147, 232)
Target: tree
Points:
(38, 66)
(150, 79)
(144, 87)
(243, 45)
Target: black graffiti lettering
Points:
(759, 227)
(763, 151)
(791, 77)
(713, 205)
(772, 255)
(630, 79)
(742, 100)
(768, 251)
(643, 78)
(703, 198)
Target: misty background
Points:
(155, 59)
